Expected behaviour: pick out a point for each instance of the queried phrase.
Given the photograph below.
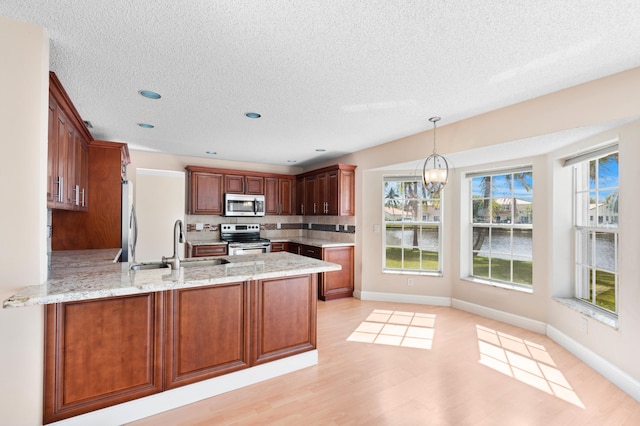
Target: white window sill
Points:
(424, 273)
(587, 309)
(498, 284)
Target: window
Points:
(502, 226)
(596, 228)
(412, 234)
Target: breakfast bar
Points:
(114, 334)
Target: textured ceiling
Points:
(337, 75)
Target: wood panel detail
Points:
(100, 353)
(207, 331)
(284, 318)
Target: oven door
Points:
(241, 249)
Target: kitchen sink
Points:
(150, 265)
(191, 262)
(187, 263)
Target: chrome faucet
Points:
(178, 237)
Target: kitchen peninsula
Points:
(115, 335)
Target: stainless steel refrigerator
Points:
(129, 225)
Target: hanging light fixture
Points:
(435, 171)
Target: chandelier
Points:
(435, 171)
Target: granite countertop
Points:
(316, 242)
(91, 274)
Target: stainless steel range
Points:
(244, 239)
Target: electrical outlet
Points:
(337, 227)
(309, 225)
(199, 226)
(584, 325)
(409, 281)
(278, 225)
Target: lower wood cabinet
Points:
(207, 333)
(335, 284)
(279, 246)
(209, 250)
(284, 317)
(100, 353)
(104, 352)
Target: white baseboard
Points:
(168, 400)
(506, 317)
(402, 298)
(615, 375)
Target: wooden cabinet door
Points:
(82, 170)
(52, 157)
(254, 185)
(300, 196)
(271, 196)
(287, 196)
(310, 196)
(99, 353)
(283, 320)
(62, 160)
(233, 184)
(322, 194)
(337, 284)
(294, 248)
(210, 250)
(280, 246)
(311, 251)
(207, 333)
(243, 184)
(205, 193)
(346, 192)
(332, 193)
(279, 197)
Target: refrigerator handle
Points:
(133, 224)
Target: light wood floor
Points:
(477, 372)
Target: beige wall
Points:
(24, 49)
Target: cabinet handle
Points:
(314, 208)
(302, 208)
(60, 189)
(82, 197)
(76, 189)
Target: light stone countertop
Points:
(316, 242)
(91, 274)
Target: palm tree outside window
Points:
(413, 227)
(502, 226)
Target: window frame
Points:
(511, 225)
(586, 261)
(438, 224)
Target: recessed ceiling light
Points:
(146, 125)
(252, 115)
(292, 161)
(149, 94)
(320, 150)
(211, 152)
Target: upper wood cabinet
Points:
(99, 227)
(207, 186)
(279, 195)
(329, 191)
(67, 161)
(205, 191)
(243, 184)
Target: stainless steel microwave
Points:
(243, 205)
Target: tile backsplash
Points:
(333, 228)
